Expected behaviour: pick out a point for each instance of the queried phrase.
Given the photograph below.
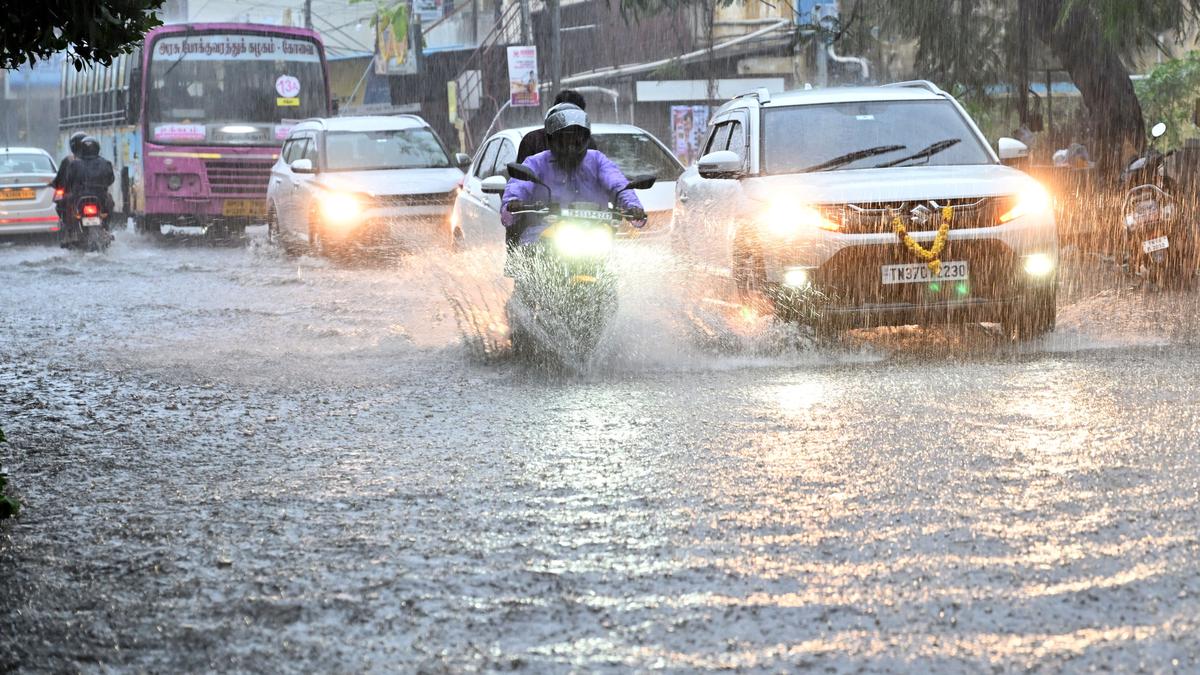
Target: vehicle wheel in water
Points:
(1032, 317)
(750, 277)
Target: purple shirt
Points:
(596, 180)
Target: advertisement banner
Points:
(523, 77)
(688, 124)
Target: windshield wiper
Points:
(854, 157)
(925, 154)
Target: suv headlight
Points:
(340, 207)
(1032, 200)
(785, 219)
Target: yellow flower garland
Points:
(930, 255)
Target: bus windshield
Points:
(231, 89)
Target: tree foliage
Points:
(87, 30)
(1168, 94)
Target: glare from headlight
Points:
(786, 219)
(1039, 265)
(1031, 200)
(339, 207)
(578, 242)
(796, 278)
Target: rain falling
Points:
(557, 336)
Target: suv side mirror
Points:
(462, 160)
(493, 185)
(721, 164)
(1010, 149)
(302, 166)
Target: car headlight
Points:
(340, 207)
(573, 241)
(1031, 200)
(786, 219)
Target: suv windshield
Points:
(638, 154)
(866, 135)
(388, 149)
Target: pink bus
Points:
(194, 118)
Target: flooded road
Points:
(233, 460)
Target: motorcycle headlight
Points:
(340, 207)
(573, 241)
(1032, 200)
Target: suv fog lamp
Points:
(174, 182)
(1038, 265)
(340, 207)
(797, 277)
(579, 242)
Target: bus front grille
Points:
(238, 177)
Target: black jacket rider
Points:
(90, 174)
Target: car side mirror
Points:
(644, 182)
(462, 160)
(302, 166)
(1011, 150)
(493, 185)
(721, 164)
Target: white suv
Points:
(871, 206)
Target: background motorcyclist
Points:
(60, 178)
(90, 174)
(535, 141)
(572, 172)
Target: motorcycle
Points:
(88, 223)
(564, 294)
(1160, 237)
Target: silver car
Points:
(364, 182)
(26, 197)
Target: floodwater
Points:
(235, 460)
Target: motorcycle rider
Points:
(572, 172)
(89, 174)
(60, 178)
(535, 141)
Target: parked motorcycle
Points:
(564, 294)
(1161, 236)
(87, 228)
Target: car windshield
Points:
(639, 154)
(13, 162)
(388, 149)
(868, 134)
(232, 89)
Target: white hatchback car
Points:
(872, 206)
(366, 181)
(633, 149)
(26, 197)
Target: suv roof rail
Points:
(920, 84)
(762, 94)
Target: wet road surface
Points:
(233, 460)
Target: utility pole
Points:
(526, 22)
(555, 7)
(308, 14)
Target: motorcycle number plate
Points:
(587, 214)
(92, 221)
(1157, 244)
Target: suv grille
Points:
(851, 276)
(876, 217)
(238, 177)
